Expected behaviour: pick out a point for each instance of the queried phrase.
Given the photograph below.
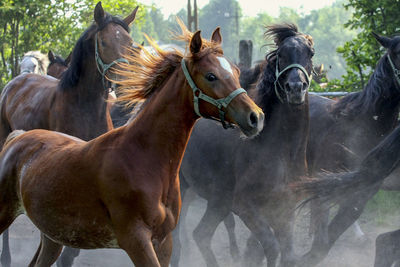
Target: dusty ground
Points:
(24, 240)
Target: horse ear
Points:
(196, 43)
(99, 13)
(51, 56)
(216, 36)
(130, 18)
(384, 41)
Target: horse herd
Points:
(87, 185)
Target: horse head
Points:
(292, 60)
(215, 84)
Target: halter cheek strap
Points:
(395, 71)
(219, 103)
(101, 66)
(279, 73)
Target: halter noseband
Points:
(279, 73)
(103, 67)
(219, 103)
(395, 71)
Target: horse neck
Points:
(162, 128)
(90, 85)
(287, 131)
(383, 111)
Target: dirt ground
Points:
(346, 252)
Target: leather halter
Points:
(103, 67)
(219, 103)
(395, 71)
(279, 73)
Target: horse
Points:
(57, 65)
(342, 133)
(122, 188)
(364, 181)
(75, 104)
(34, 62)
(250, 178)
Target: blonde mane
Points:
(146, 72)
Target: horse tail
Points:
(375, 167)
(13, 135)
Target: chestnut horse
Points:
(75, 104)
(121, 190)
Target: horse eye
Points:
(103, 43)
(211, 77)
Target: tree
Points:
(34, 25)
(363, 52)
(226, 14)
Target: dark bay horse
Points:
(342, 133)
(57, 65)
(121, 190)
(379, 163)
(76, 104)
(250, 178)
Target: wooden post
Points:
(245, 53)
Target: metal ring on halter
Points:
(219, 103)
(279, 73)
(395, 71)
(101, 65)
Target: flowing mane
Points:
(83, 49)
(365, 101)
(265, 86)
(147, 71)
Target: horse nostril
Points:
(287, 87)
(253, 119)
(305, 85)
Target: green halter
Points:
(278, 74)
(395, 71)
(103, 67)
(219, 103)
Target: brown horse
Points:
(121, 190)
(75, 104)
(57, 65)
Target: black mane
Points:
(365, 101)
(59, 60)
(265, 86)
(83, 50)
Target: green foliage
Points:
(383, 205)
(363, 52)
(226, 14)
(34, 25)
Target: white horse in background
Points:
(34, 62)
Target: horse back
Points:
(26, 101)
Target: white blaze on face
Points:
(225, 64)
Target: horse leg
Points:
(358, 234)
(180, 231)
(135, 239)
(229, 222)
(202, 235)
(284, 234)
(47, 252)
(348, 213)
(260, 229)
(67, 257)
(254, 253)
(164, 251)
(5, 258)
(387, 249)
